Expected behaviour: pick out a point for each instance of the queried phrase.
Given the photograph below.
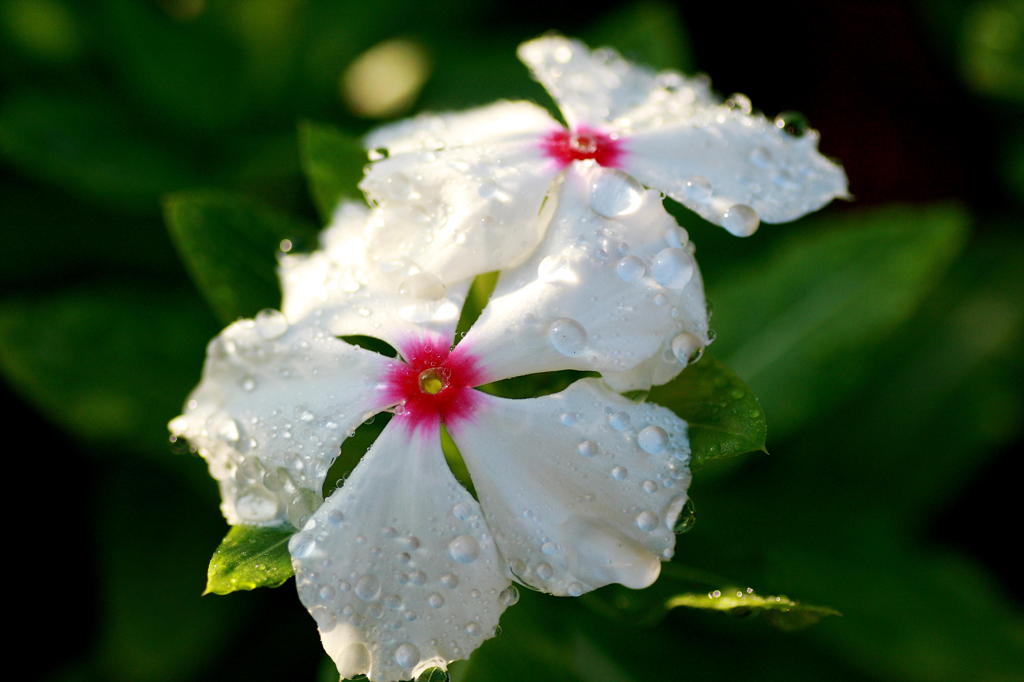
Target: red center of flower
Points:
(434, 384)
(565, 146)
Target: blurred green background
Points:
(882, 335)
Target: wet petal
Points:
(274, 404)
(734, 168)
(580, 488)
(348, 292)
(398, 566)
(465, 209)
(613, 281)
(595, 87)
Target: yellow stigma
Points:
(431, 381)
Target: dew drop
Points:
(423, 285)
(574, 589)
(368, 587)
(473, 629)
(615, 194)
(620, 473)
(549, 548)
(697, 189)
(450, 580)
(619, 421)
(407, 655)
(417, 577)
(508, 596)
(335, 518)
(647, 520)
(462, 511)
(650, 486)
(761, 157)
(630, 269)
(271, 324)
(652, 439)
(672, 268)
(567, 336)
(588, 448)
(464, 549)
(228, 430)
(792, 123)
(685, 347)
(248, 383)
(435, 601)
(256, 506)
(687, 515)
(544, 571)
(741, 220)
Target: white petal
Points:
(398, 566)
(600, 87)
(350, 293)
(468, 208)
(269, 415)
(734, 168)
(581, 488)
(611, 283)
(482, 125)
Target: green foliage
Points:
(782, 611)
(229, 244)
(725, 418)
(799, 323)
(433, 675)
(333, 163)
(647, 32)
(249, 557)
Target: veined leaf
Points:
(724, 416)
(229, 246)
(250, 557)
(333, 163)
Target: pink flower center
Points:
(433, 384)
(583, 143)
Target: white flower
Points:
(479, 178)
(401, 568)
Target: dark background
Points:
(107, 106)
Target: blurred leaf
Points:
(90, 148)
(111, 365)
(229, 245)
(993, 48)
(725, 418)
(190, 68)
(333, 163)
(649, 33)
(154, 624)
(249, 557)
(802, 325)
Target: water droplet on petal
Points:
(681, 508)
(544, 571)
(423, 285)
(619, 421)
(685, 347)
(567, 336)
(652, 439)
(464, 549)
(256, 506)
(270, 324)
(761, 157)
(697, 189)
(630, 269)
(620, 473)
(647, 520)
(508, 596)
(574, 589)
(407, 655)
(792, 123)
(435, 601)
(741, 220)
(368, 587)
(588, 448)
(672, 268)
(473, 629)
(615, 194)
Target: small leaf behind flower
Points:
(250, 557)
(725, 418)
(229, 245)
(781, 611)
(333, 163)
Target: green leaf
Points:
(250, 557)
(433, 675)
(781, 611)
(333, 163)
(649, 33)
(802, 324)
(724, 416)
(229, 245)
